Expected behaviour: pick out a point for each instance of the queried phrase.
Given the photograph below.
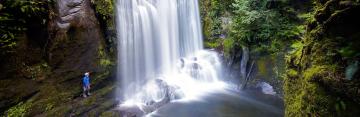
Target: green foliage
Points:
(212, 12)
(307, 16)
(259, 26)
(105, 14)
(245, 20)
(228, 46)
(296, 52)
(349, 51)
(105, 8)
(14, 17)
(209, 44)
(18, 110)
(340, 106)
(7, 40)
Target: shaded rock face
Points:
(75, 37)
(50, 72)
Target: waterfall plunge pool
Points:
(154, 36)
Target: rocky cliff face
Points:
(45, 78)
(76, 40)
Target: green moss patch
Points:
(315, 83)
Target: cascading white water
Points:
(160, 43)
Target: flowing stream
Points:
(161, 59)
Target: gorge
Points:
(180, 58)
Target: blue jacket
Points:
(86, 80)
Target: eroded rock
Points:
(77, 38)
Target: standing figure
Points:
(86, 85)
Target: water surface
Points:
(225, 104)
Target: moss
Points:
(315, 83)
(49, 106)
(105, 8)
(59, 111)
(308, 98)
(93, 105)
(313, 72)
(262, 66)
(228, 46)
(36, 72)
(105, 60)
(105, 13)
(292, 73)
(107, 114)
(19, 110)
(90, 101)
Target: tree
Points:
(257, 24)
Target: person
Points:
(86, 84)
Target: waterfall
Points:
(160, 51)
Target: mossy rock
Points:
(315, 83)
